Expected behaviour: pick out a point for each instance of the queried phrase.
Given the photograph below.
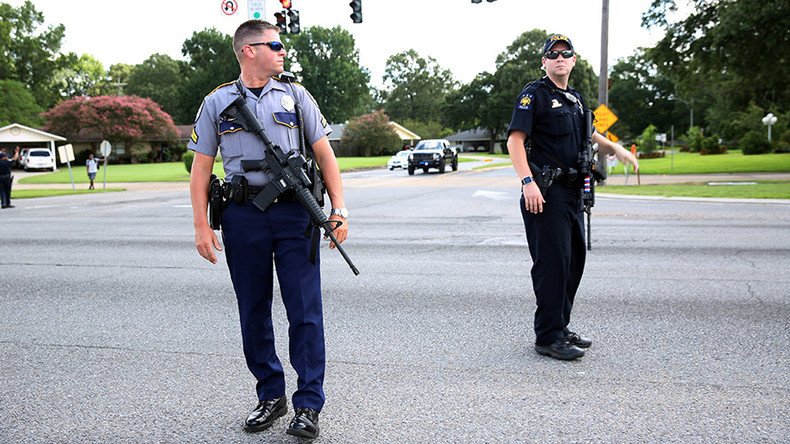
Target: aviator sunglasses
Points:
(566, 54)
(274, 46)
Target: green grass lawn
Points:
(171, 171)
(732, 162)
(27, 194)
(694, 163)
(759, 190)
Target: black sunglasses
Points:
(274, 46)
(566, 54)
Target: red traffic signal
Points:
(356, 11)
(286, 4)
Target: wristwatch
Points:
(526, 180)
(342, 212)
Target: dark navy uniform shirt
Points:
(553, 123)
(275, 109)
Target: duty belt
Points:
(287, 196)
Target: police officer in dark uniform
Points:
(6, 178)
(254, 239)
(549, 119)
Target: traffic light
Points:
(356, 8)
(281, 18)
(477, 1)
(293, 19)
(286, 4)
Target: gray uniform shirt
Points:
(276, 113)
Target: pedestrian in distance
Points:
(6, 177)
(92, 165)
(254, 239)
(545, 138)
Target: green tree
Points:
(414, 87)
(640, 95)
(371, 135)
(19, 105)
(426, 129)
(726, 54)
(326, 62)
(79, 76)
(28, 53)
(117, 78)
(487, 101)
(158, 78)
(210, 63)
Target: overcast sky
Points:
(462, 36)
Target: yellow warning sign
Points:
(612, 137)
(604, 118)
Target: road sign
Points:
(229, 7)
(256, 9)
(612, 137)
(604, 119)
(105, 148)
(66, 153)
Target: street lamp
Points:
(769, 120)
(691, 110)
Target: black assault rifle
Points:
(288, 173)
(588, 169)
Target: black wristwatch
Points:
(527, 180)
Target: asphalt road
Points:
(113, 329)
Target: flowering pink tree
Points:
(126, 119)
(371, 135)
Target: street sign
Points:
(604, 119)
(229, 7)
(612, 137)
(105, 148)
(256, 9)
(66, 153)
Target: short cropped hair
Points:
(248, 31)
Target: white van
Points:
(39, 158)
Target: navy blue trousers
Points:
(556, 244)
(253, 239)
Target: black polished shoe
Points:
(265, 414)
(304, 424)
(578, 340)
(560, 349)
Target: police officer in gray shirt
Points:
(253, 239)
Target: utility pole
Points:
(603, 75)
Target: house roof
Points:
(477, 134)
(17, 132)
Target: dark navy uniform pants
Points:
(556, 244)
(253, 238)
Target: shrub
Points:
(782, 144)
(371, 135)
(754, 142)
(647, 141)
(694, 138)
(710, 145)
(188, 157)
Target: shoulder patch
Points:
(194, 136)
(525, 100)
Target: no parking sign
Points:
(229, 7)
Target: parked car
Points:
(433, 153)
(20, 163)
(39, 158)
(399, 160)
